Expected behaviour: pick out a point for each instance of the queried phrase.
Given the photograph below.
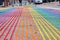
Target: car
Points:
(38, 1)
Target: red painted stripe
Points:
(19, 13)
(5, 21)
(9, 29)
(14, 30)
(3, 25)
(6, 28)
(1, 22)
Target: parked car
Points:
(38, 1)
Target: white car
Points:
(38, 1)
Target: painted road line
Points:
(52, 34)
(18, 30)
(10, 33)
(44, 30)
(19, 6)
(35, 30)
(27, 31)
(50, 28)
(6, 22)
(22, 33)
(27, 25)
(31, 32)
(17, 16)
(7, 27)
(39, 30)
(53, 30)
(11, 25)
(14, 29)
(26, 22)
(6, 30)
(35, 34)
(2, 18)
(15, 25)
(3, 25)
(37, 25)
(31, 26)
(3, 8)
(29, 18)
(39, 22)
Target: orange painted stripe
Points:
(22, 34)
(35, 30)
(28, 21)
(27, 31)
(17, 33)
(31, 32)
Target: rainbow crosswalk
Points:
(26, 23)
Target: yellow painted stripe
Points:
(38, 26)
(49, 31)
(3, 8)
(44, 20)
(51, 28)
(42, 27)
(35, 30)
(39, 30)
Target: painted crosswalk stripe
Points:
(38, 26)
(36, 14)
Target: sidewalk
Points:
(51, 5)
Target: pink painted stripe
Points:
(6, 28)
(9, 29)
(3, 25)
(19, 13)
(7, 15)
(6, 22)
(14, 30)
